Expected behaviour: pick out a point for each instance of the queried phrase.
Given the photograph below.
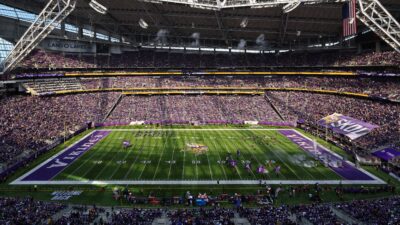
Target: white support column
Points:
(375, 16)
(51, 16)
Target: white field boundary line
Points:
(337, 155)
(199, 129)
(195, 182)
(394, 176)
(19, 179)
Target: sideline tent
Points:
(387, 154)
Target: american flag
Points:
(349, 18)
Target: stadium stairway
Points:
(102, 216)
(113, 107)
(239, 220)
(273, 106)
(304, 221)
(164, 108)
(163, 220)
(58, 215)
(345, 217)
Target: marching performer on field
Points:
(126, 144)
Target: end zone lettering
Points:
(55, 165)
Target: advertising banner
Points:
(69, 46)
(345, 125)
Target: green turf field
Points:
(166, 155)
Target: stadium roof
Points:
(306, 24)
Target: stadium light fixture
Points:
(196, 39)
(244, 22)
(143, 24)
(98, 7)
(242, 44)
(291, 6)
(260, 41)
(221, 2)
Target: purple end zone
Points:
(54, 166)
(348, 171)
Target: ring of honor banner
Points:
(68, 46)
(345, 125)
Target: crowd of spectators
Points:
(380, 211)
(27, 211)
(8, 152)
(134, 216)
(312, 107)
(30, 123)
(202, 216)
(268, 215)
(200, 108)
(152, 59)
(382, 87)
(42, 59)
(79, 215)
(321, 214)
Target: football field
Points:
(194, 156)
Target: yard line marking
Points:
(184, 156)
(52, 157)
(128, 153)
(197, 168)
(108, 161)
(226, 147)
(304, 169)
(89, 159)
(208, 159)
(183, 167)
(281, 155)
(198, 129)
(337, 155)
(172, 159)
(160, 157)
(273, 152)
(137, 157)
(196, 182)
(195, 157)
(102, 154)
(220, 159)
(227, 150)
(241, 143)
(251, 152)
(145, 165)
(278, 154)
(147, 143)
(279, 146)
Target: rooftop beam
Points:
(208, 15)
(376, 17)
(249, 30)
(51, 16)
(216, 5)
(224, 32)
(114, 20)
(283, 27)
